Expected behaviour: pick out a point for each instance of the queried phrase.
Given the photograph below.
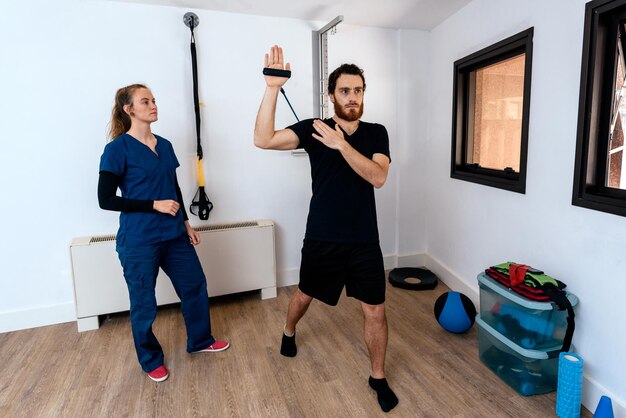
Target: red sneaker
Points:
(215, 347)
(159, 374)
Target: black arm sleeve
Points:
(107, 187)
(179, 196)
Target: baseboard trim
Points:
(390, 261)
(287, 277)
(454, 281)
(411, 260)
(37, 317)
(593, 391)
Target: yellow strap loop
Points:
(200, 174)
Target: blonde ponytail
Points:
(120, 121)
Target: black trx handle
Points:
(276, 72)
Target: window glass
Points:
(618, 121)
(496, 125)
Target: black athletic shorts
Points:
(327, 267)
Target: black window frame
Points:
(603, 19)
(506, 179)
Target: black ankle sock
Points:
(288, 346)
(386, 398)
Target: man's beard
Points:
(351, 115)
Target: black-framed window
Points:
(600, 169)
(491, 104)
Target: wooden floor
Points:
(55, 371)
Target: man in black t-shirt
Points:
(341, 247)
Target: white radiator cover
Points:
(236, 257)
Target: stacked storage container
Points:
(519, 339)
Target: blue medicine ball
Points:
(455, 312)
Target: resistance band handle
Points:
(276, 73)
(281, 73)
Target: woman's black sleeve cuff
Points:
(108, 200)
(179, 196)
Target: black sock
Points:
(288, 346)
(386, 398)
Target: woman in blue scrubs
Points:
(154, 229)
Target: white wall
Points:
(395, 70)
(57, 83)
(411, 156)
(374, 50)
(472, 226)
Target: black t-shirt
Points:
(342, 207)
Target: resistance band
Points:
(200, 205)
(281, 73)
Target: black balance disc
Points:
(413, 278)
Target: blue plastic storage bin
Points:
(528, 372)
(530, 324)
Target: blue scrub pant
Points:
(179, 261)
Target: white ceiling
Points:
(399, 14)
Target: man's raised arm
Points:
(265, 135)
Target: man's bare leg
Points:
(376, 334)
(298, 306)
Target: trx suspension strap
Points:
(200, 205)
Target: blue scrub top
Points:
(145, 176)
